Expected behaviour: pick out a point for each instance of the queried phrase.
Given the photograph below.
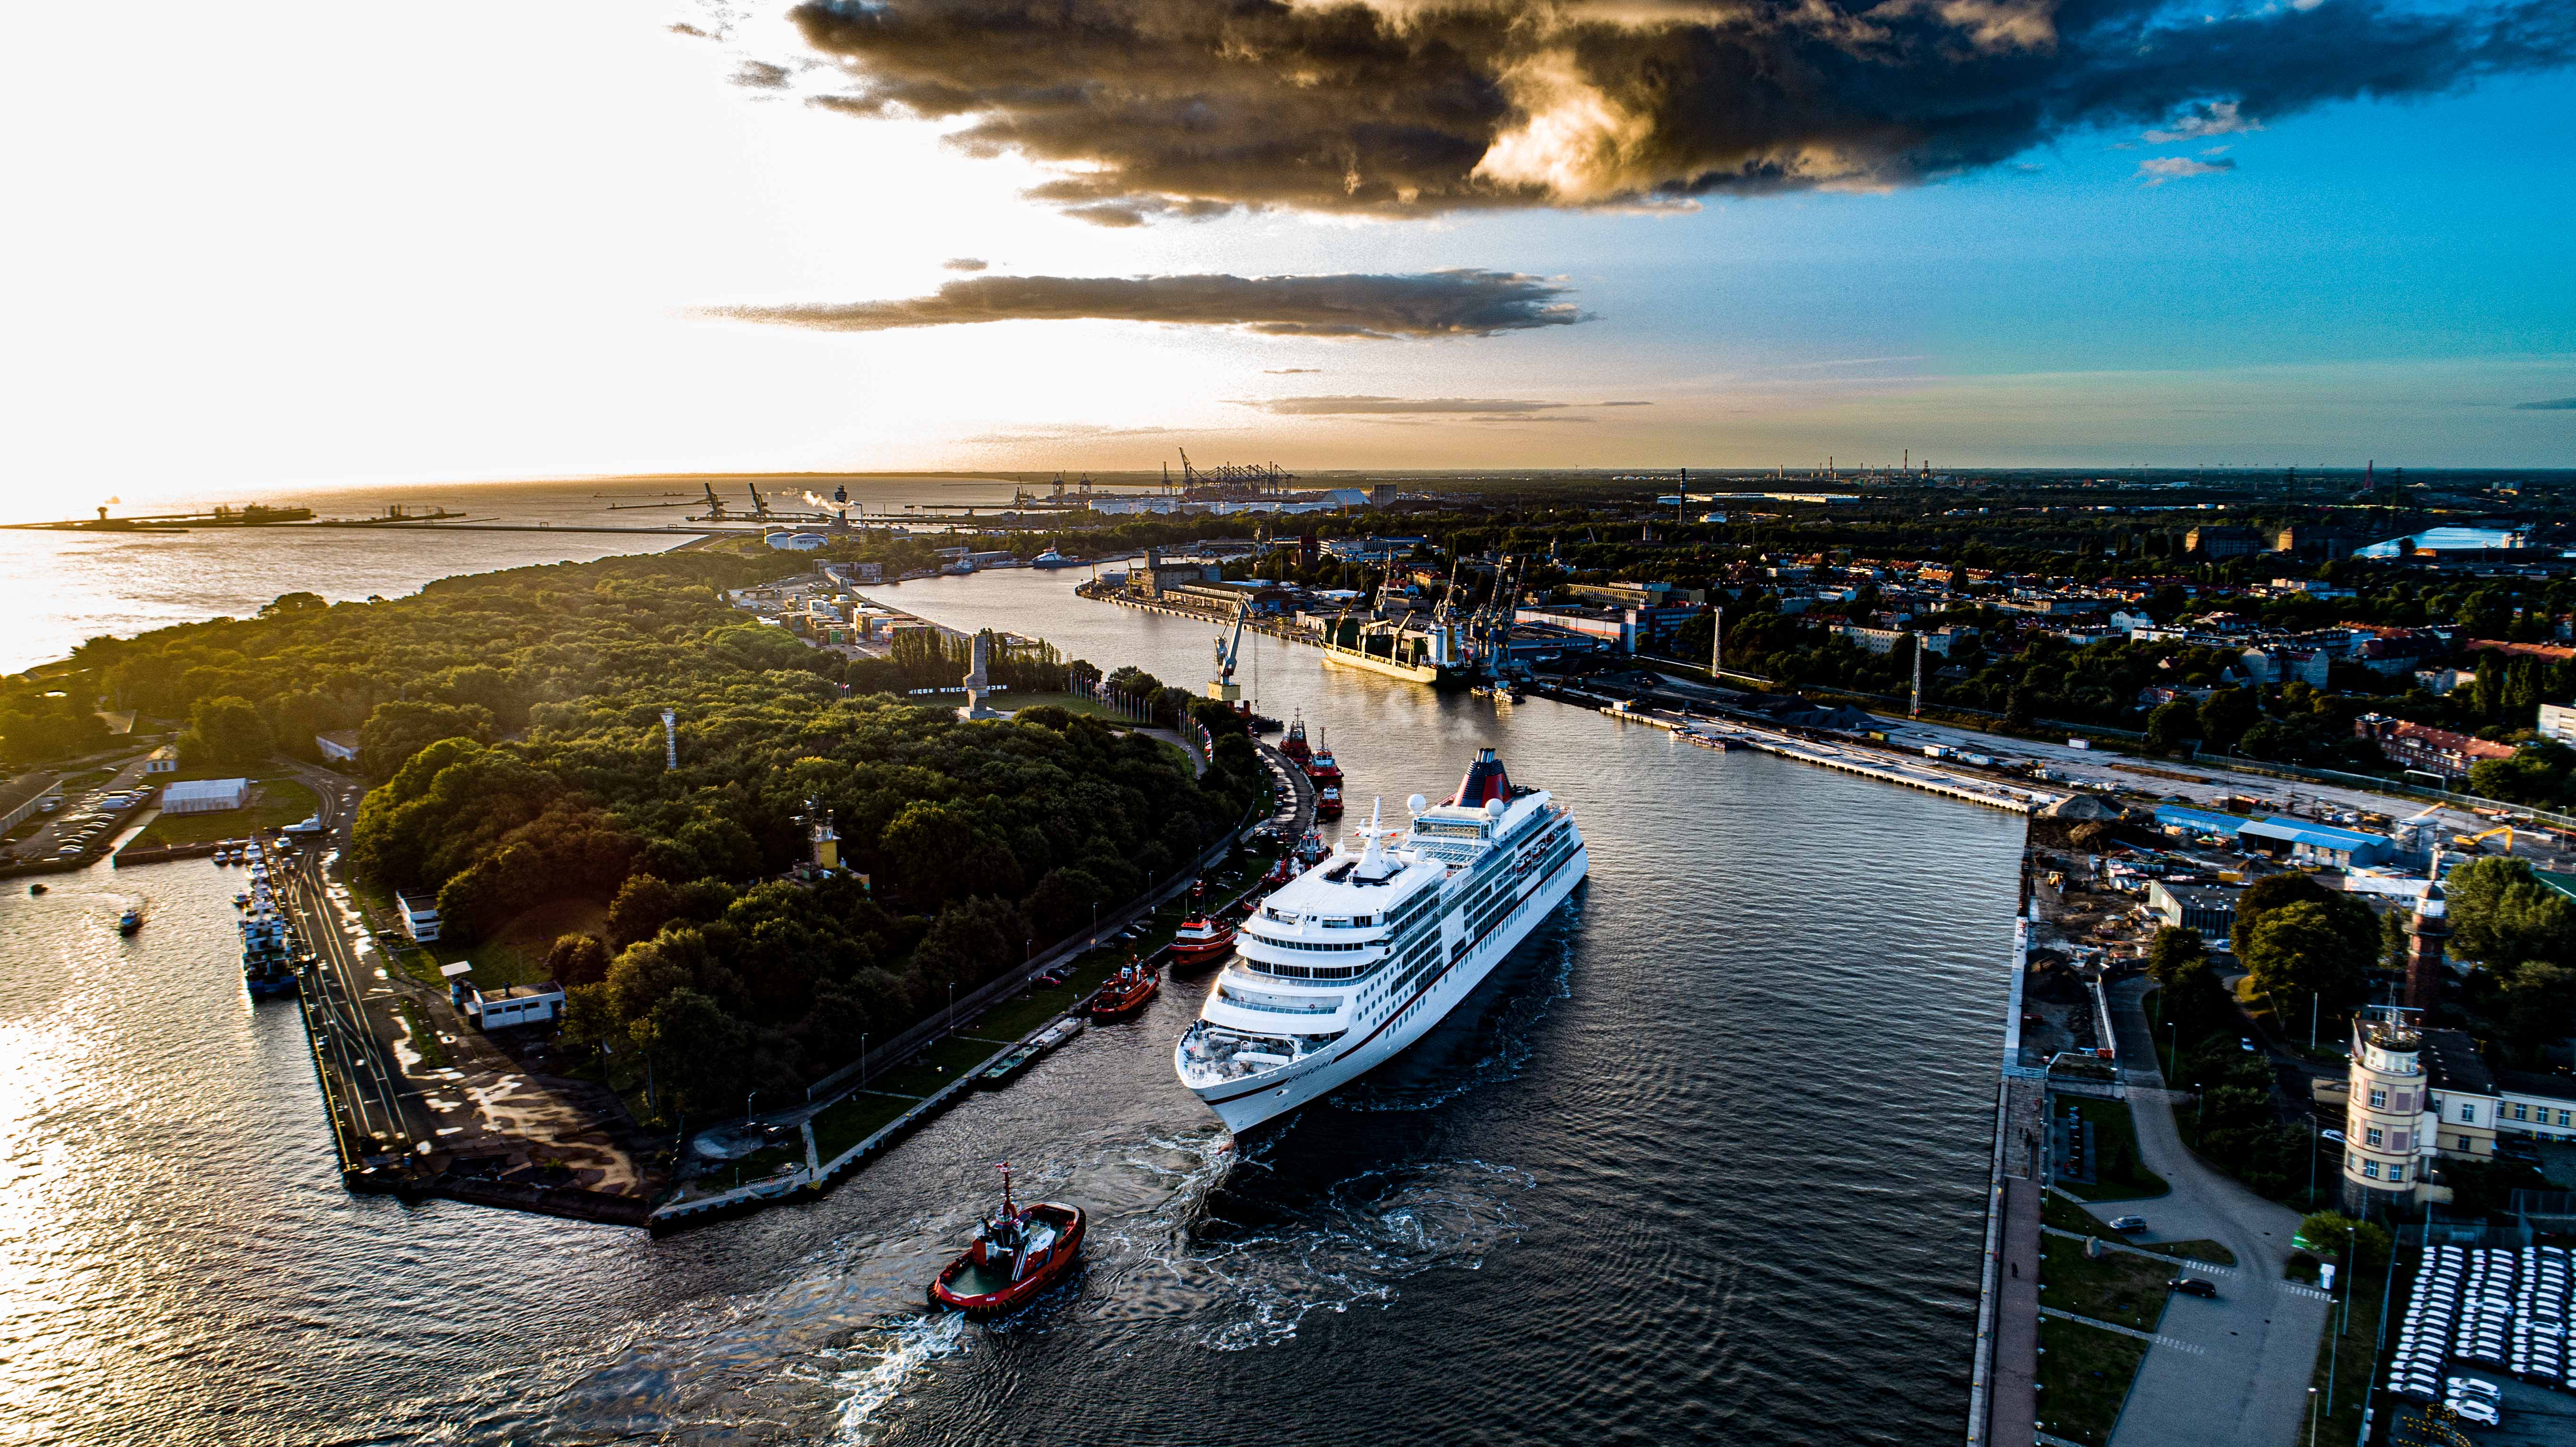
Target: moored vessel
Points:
(1002, 1072)
(1201, 939)
(130, 922)
(1328, 802)
(1293, 743)
(1321, 768)
(1015, 1257)
(1359, 955)
(1124, 993)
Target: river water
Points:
(1705, 1161)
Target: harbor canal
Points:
(1707, 1160)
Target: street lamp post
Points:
(2312, 1417)
(747, 1111)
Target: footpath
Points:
(2236, 1368)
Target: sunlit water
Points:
(58, 589)
(1706, 1160)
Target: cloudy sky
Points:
(307, 242)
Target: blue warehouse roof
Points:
(2207, 821)
(2315, 836)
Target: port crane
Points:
(759, 506)
(715, 505)
(1229, 651)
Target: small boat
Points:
(130, 922)
(1310, 851)
(1015, 1257)
(1321, 767)
(242, 900)
(1328, 802)
(1282, 871)
(1008, 1068)
(1294, 745)
(1201, 939)
(1124, 993)
(35, 889)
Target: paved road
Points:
(2234, 1369)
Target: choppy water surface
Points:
(1706, 1160)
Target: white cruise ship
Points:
(1350, 962)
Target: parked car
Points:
(2129, 1223)
(2193, 1286)
(2478, 1387)
(2473, 1409)
(2335, 1135)
(2244, 1044)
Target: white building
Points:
(205, 796)
(339, 746)
(516, 1005)
(798, 542)
(419, 917)
(2558, 721)
(163, 760)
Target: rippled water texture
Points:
(1705, 1161)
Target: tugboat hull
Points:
(985, 1289)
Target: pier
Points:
(1869, 764)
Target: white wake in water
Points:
(875, 1371)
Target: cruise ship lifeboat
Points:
(1124, 993)
(1015, 1257)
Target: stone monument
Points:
(977, 681)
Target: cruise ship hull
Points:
(1246, 1104)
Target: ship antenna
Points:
(1008, 1214)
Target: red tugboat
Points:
(1310, 851)
(1328, 802)
(1200, 939)
(1124, 993)
(1294, 745)
(1016, 1256)
(1321, 767)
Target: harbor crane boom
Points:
(1229, 651)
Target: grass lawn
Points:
(936, 1066)
(2084, 1377)
(273, 804)
(424, 1035)
(516, 952)
(2116, 1287)
(2350, 1358)
(852, 1119)
(2118, 1174)
(1069, 702)
(2065, 1215)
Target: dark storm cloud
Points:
(1391, 406)
(1180, 108)
(1427, 304)
(2555, 404)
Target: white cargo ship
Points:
(1350, 962)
